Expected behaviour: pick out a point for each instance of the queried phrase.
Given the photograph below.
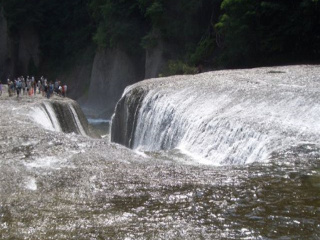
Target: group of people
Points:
(29, 86)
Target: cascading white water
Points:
(58, 116)
(45, 115)
(77, 120)
(230, 117)
(53, 117)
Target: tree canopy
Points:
(215, 33)
(269, 31)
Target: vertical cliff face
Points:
(155, 56)
(78, 75)
(77, 80)
(19, 51)
(112, 71)
(155, 61)
(28, 50)
(3, 45)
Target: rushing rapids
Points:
(223, 117)
(58, 183)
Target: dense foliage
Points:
(269, 32)
(65, 27)
(213, 33)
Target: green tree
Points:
(21, 13)
(119, 24)
(238, 25)
(67, 28)
(269, 32)
(185, 25)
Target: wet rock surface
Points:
(56, 185)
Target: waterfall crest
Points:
(225, 117)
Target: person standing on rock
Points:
(50, 90)
(34, 86)
(18, 87)
(28, 85)
(45, 89)
(65, 90)
(60, 90)
(39, 86)
(23, 85)
(11, 88)
(56, 86)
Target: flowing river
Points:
(59, 182)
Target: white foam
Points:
(230, 120)
(76, 118)
(31, 184)
(53, 117)
(140, 153)
(40, 116)
(46, 162)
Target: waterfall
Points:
(77, 121)
(45, 116)
(225, 117)
(60, 116)
(52, 116)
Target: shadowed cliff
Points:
(112, 71)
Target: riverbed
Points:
(56, 185)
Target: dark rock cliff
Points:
(3, 46)
(78, 76)
(28, 50)
(18, 51)
(155, 56)
(112, 71)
